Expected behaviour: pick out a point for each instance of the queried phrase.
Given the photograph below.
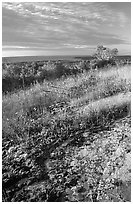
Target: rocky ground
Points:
(99, 169)
(90, 167)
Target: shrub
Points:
(103, 57)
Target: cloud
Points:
(14, 47)
(122, 19)
(77, 11)
(80, 12)
(60, 25)
(20, 47)
(68, 45)
(87, 13)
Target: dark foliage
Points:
(21, 75)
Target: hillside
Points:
(68, 139)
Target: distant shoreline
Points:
(47, 58)
(42, 58)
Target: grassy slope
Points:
(65, 109)
(62, 99)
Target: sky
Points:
(65, 28)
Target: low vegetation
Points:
(21, 75)
(46, 124)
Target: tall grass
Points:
(64, 98)
(38, 120)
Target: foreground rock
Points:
(99, 170)
(90, 167)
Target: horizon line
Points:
(72, 55)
